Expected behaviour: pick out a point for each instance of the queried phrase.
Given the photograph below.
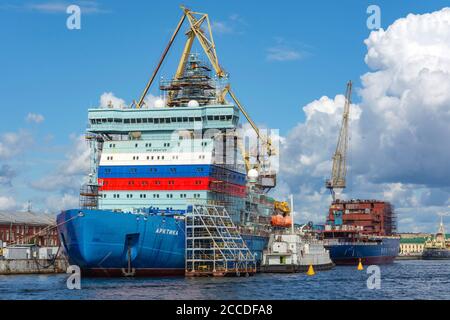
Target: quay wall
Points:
(32, 266)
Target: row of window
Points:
(221, 174)
(148, 145)
(20, 239)
(144, 196)
(156, 182)
(24, 232)
(156, 157)
(162, 120)
(25, 229)
(150, 170)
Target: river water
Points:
(413, 279)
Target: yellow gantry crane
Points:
(196, 20)
(337, 181)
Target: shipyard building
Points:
(27, 228)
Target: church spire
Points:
(441, 227)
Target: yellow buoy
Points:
(360, 266)
(310, 271)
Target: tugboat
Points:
(289, 253)
(291, 250)
(438, 247)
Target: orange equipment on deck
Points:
(279, 221)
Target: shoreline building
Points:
(437, 247)
(412, 245)
(17, 228)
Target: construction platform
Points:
(214, 246)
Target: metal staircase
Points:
(214, 246)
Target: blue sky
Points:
(281, 56)
(56, 72)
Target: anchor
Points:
(129, 272)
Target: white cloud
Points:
(286, 51)
(282, 54)
(48, 7)
(308, 146)
(34, 117)
(152, 101)
(221, 27)
(7, 203)
(77, 161)
(400, 129)
(14, 143)
(232, 25)
(56, 203)
(109, 100)
(406, 101)
(7, 173)
(69, 174)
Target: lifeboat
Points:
(280, 221)
(287, 221)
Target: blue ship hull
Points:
(108, 243)
(382, 252)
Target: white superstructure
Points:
(293, 252)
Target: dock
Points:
(31, 259)
(32, 266)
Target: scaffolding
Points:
(195, 84)
(89, 196)
(374, 217)
(214, 246)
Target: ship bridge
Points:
(122, 121)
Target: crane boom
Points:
(339, 169)
(268, 141)
(206, 40)
(209, 47)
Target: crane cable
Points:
(51, 263)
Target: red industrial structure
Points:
(371, 217)
(28, 228)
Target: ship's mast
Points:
(292, 213)
(441, 227)
(337, 181)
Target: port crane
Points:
(337, 181)
(267, 178)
